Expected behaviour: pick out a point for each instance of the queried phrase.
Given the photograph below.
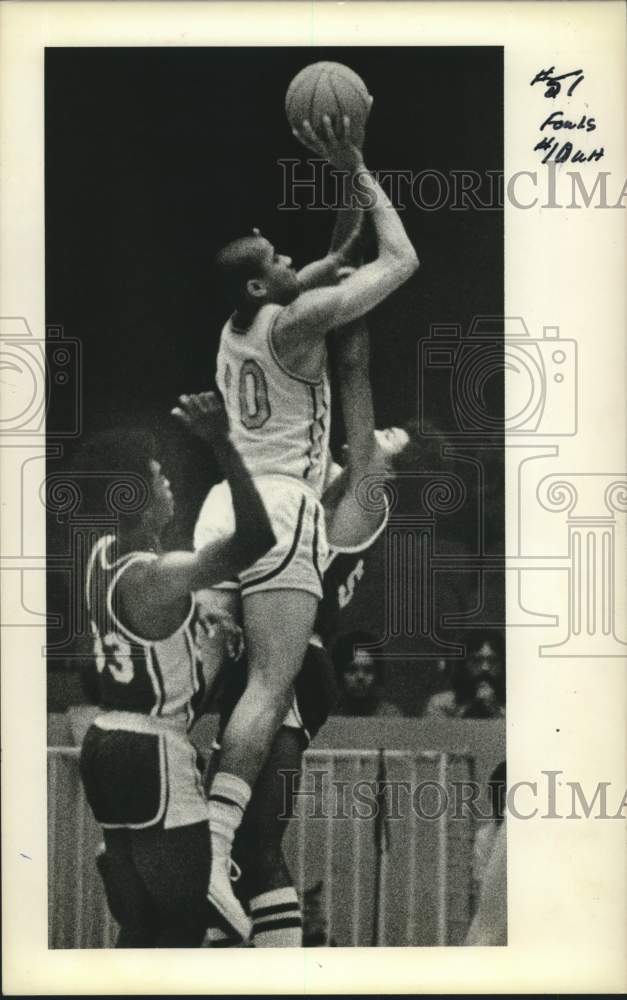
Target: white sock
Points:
(277, 920)
(228, 798)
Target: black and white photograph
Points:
(284, 501)
(313, 497)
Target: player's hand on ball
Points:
(203, 414)
(306, 135)
(341, 151)
(338, 148)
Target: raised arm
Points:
(174, 574)
(350, 359)
(349, 522)
(319, 310)
(345, 244)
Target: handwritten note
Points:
(556, 125)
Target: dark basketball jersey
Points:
(161, 678)
(345, 568)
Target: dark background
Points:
(157, 157)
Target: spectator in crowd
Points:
(477, 686)
(360, 678)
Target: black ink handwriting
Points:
(553, 83)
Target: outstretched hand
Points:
(216, 621)
(203, 414)
(338, 148)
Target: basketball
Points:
(328, 88)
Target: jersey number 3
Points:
(254, 405)
(114, 653)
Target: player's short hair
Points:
(345, 648)
(236, 264)
(113, 474)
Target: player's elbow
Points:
(401, 262)
(414, 261)
(406, 262)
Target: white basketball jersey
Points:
(279, 422)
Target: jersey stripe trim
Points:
(198, 697)
(288, 558)
(159, 678)
(189, 705)
(312, 424)
(315, 545)
(316, 441)
(124, 630)
(102, 544)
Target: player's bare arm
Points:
(345, 244)
(350, 358)
(348, 520)
(314, 313)
(153, 589)
(346, 239)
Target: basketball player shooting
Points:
(353, 528)
(272, 373)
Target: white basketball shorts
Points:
(297, 518)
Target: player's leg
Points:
(174, 865)
(120, 776)
(278, 626)
(127, 897)
(266, 880)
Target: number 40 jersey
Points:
(279, 422)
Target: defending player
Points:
(356, 515)
(138, 767)
(272, 374)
